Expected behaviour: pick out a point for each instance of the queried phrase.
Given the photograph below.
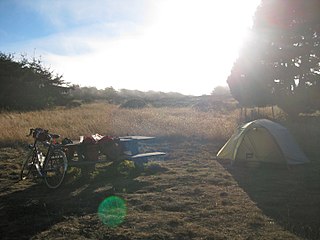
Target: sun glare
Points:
(186, 46)
(198, 40)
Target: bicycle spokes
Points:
(28, 166)
(55, 168)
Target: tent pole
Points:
(245, 114)
(272, 112)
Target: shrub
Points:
(134, 103)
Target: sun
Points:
(197, 39)
(185, 46)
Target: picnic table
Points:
(134, 144)
(132, 148)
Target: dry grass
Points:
(187, 196)
(111, 120)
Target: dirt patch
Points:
(190, 196)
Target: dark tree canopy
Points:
(26, 85)
(280, 64)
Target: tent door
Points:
(259, 145)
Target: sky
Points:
(185, 46)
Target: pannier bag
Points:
(40, 135)
(111, 147)
(89, 149)
(91, 146)
(69, 151)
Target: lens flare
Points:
(112, 211)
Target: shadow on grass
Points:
(291, 197)
(33, 208)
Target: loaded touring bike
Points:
(50, 160)
(45, 159)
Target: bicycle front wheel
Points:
(28, 165)
(55, 168)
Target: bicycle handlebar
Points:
(30, 133)
(37, 131)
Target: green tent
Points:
(263, 141)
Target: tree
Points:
(280, 64)
(112, 95)
(220, 91)
(26, 85)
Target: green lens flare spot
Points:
(112, 211)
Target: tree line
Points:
(28, 85)
(279, 64)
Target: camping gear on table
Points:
(99, 149)
(91, 146)
(87, 148)
(262, 140)
(111, 147)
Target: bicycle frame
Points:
(52, 166)
(39, 163)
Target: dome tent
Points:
(263, 141)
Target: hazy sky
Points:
(185, 46)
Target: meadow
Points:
(186, 195)
(108, 119)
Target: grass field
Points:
(188, 195)
(108, 119)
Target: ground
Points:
(186, 195)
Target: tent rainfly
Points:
(263, 141)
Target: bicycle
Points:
(52, 166)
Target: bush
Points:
(134, 103)
(126, 168)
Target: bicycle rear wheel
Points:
(28, 165)
(55, 168)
